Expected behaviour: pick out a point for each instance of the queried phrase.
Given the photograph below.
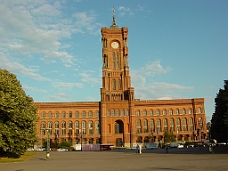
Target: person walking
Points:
(166, 148)
(140, 149)
(137, 149)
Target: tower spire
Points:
(113, 18)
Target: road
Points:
(188, 159)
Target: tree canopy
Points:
(17, 116)
(219, 121)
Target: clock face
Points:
(115, 45)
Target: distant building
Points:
(119, 118)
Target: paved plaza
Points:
(189, 159)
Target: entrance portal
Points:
(119, 142)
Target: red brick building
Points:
(118, 118)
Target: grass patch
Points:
(20, 159)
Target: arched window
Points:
(127, 113)
(137, 113)
(97, 127)
(114, 84)
(70, 127)
(151, 112)
(113, 60)
(83, 114)
(145, 126)
(151, 125)
(189, 111)
(170, 112)
(57, 115)
(165, 124)
(191, 124)
(43, 115)
(183, 111)
(57, 129)
(122, 112)
(199, 110)
(138, 125)
(144, 113)
(200, 123)
(76, 114)
(63, 115)
(113, 113)
(177, 111)
(70, 114)
(164, 112)
(83, 127)
(119, 84)
(158, 124)
(50, 114)
(108, 113)
(97, 114)
(178, 124)
(117, 112)
(90, 114)
(184, 123)
(90, 127)
(43, 128)
(63, 128)
(77, 127)
(50, 127)
(172, 127)
(157, 112)
(117, 60)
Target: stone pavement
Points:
(189, 159)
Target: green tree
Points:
(169, 137)
(64, 144)
(219, 121)
(17, 116)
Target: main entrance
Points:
(119, 133)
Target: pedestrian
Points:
(140, 149)
(137, 149)
(166, 148)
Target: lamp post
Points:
(48, 144)
(210, 141)
(80, 134)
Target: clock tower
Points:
(116, 93)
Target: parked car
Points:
(221, 144)
(173, 144)
(180, 146)
(62, 149)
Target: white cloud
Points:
(58, 97)
(38, 28)
(67, 85)
(15, 67)
(33, 89)
(89, 79)
(154, 90)
(125, 11)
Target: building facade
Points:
(118, 118)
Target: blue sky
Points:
(177, 49)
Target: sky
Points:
(177, 49)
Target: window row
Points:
(70, 115)
(117, 112)
(165, 112)
(171, 125)
(70, 128)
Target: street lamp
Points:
(48, 144)
(210, 141)
(80, 134)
